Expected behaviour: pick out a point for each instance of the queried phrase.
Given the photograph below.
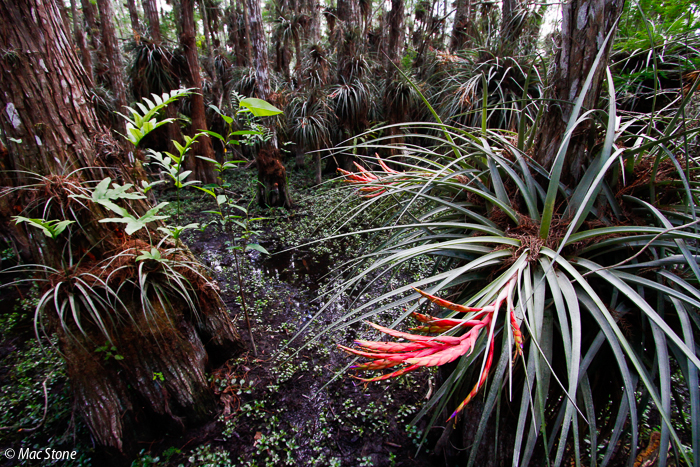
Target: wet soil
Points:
(293, 403)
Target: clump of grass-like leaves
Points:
(601, 277)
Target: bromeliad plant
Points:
(423, 351)
(602, 278)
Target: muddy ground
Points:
(287, 405)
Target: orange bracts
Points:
(371, 181)
(421, 350)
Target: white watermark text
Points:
(48, 454)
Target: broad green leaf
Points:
(259, 107)
(257, 247)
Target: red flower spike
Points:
(415, 337)
(365, 177)
(395, 346)
(477, 386)
(517, 334)
(400, 372)
(422, 350)
(449, 305)
(386, 167)
(422, 318)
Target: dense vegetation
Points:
(349, 233)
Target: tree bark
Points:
(272, 176)
(585, 24)
(237, 34)
(247, 44)
(134, 18)
(462, 28)
(114, 61)
(348, 14)
(89, 13)
(80, 40)
(205, 24)
(150, 12)
(45, 103)
(64, 16)
(312, 33)
(395, 19)
(203, 171)
(212, 18)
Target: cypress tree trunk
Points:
(312, 33)
(44, 94)
(114, 61)
(394, 112)
(272, 176)
(282, 55)
(205, 23)
(233, 32)
(134, 18)
(585, 24)
(150, 12)
(80, 40)
(213, 21)
(395, 19)
(247, 44)
(89, 15)
(203, 171)
(237, 34)
(462, 28)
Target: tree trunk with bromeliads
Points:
(272, 176)
(584, 29)
(115, 74)
(100, 288)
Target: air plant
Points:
(370, 184)
(422, 351)
(574, 267)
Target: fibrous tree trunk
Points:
(93, 34)
(395, 19)
(203, 171)
(89, 13)
(462, 28)
(64, 16)
(247, 44)
(272, 176)
(312, 33)
(150, 12)
(282, 56)
(212, 17)
(80, 40)
(205, 24)
(114, 60)
(45, 102)
(348, 14)
(237, 34)
(395, 113)
(134, 18)
(585, 25)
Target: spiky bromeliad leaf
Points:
(553, 287)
